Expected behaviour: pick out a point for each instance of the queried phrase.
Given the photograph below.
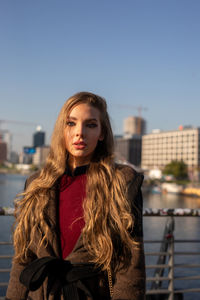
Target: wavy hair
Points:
(107, 213)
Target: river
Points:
(185, 227)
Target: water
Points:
(10, 185)
(185, 227)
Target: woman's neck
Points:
(74, 163)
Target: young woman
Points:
(79, 220)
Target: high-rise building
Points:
(134, 126)
(160, 148)
(40, 155)
(128, 149)
(39, 137)
(3, 152)
(6, 137)
(14, 157)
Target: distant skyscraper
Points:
(129, 149)
(6, 137)
(39, 137)
(14, 157)
(40, 155)
(134, 126)
(3, 152)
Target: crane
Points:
(17, 122)
(139, 109)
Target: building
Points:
(14, 157)
(160, 148)
(40, 155)
(129, 149)
(6, 137)
(26, 157)
(39, 137)
(3, 152)
(134, 126)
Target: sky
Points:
(143, 53)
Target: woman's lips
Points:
(79, 145)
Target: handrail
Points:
(167, 251)
(147, 212)
(168, 234)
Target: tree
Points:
(176, 168)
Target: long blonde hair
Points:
(107, 213)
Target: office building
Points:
(6, 137)
(14, 157)
(128, 149)
(40, 155)
(3, 152)
(134, 126)
(160, 148)
(39, 137)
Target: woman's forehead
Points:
(84, 110)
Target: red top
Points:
(72, 193)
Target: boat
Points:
(171, 188)
(156, 189)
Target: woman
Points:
(79, 220)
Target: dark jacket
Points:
(128, 284)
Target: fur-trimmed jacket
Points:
(128, 284)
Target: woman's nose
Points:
(80, 130)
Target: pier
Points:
(167, 279)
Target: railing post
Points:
(171, 264)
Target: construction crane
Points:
(139, 109)
(17, 122)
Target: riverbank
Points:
(15, 171)
(189, 189)
(186, 189)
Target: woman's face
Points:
(82, 133)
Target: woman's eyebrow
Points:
(91, 120)
(87, 120)
(71, 118)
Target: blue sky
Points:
(134, 53)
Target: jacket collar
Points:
(77, 171)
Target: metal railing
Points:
(165, 268)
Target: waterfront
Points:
(185, 227)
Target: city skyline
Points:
(29, 138)
(132, 53)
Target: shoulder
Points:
(130, 174)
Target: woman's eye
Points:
(70, 123)
(92, 125)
